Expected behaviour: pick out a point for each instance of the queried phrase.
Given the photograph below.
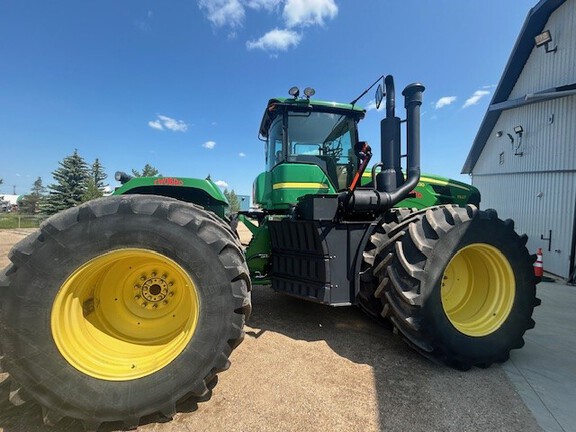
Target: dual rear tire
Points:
(457, 283)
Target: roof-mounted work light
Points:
(309, 92)
(294, 92)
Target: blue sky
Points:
(182, 84)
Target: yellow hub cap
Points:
(478, 288)
(125, 314)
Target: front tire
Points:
(122, 307)
(457, 283)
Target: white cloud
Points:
(276, 40)
(155, 124)
(475, 98)
(223, 12)
(221, 183)
(309, 12)
(295, 13)
(445, 101)
(241, 154)
(209, 145)
(173, 124)
(268, 5)
(163, 122)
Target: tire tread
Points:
(210, 228)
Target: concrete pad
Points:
(544, 371)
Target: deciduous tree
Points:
(31, 203)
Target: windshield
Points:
(324, 139)
(319, 134)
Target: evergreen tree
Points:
(71, 178)
(227, 195)
(95, 183)
(147, 171)
(98, 175)
(232, 201)
(31, 203)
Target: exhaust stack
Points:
(391, 187)
(390, 177)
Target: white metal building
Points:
(523, 158)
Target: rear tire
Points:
(122, 307)
(373, 258)
(457, 283)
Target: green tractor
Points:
(125, 305)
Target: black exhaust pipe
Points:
(391, 188)
(412, 102)
(390, 177)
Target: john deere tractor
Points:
(125, 305)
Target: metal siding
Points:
(548, 142)
(538, 189)
(546, 70)
(516, 196)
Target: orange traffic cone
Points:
(539, 264)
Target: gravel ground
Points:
(307, 367)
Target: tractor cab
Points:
(310, 149)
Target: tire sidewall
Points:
(495, 233)
(49, 267)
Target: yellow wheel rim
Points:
(125, 314)
(478, 288)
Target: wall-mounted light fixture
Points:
(544, 39)
(518, 130)
(499, 134)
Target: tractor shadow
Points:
(410, 389)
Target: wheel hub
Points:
(154, 291)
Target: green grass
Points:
(15, 220)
